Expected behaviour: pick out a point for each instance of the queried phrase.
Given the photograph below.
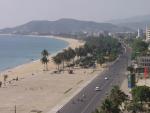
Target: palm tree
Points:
(80, 52)
(57, 60)
(62, 57)
(5, 79)
(72, 53)
(45, 61)
(77, 52)
(45, 53)
(67, 57)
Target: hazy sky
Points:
(15, 12)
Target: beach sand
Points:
(42, 90)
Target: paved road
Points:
(88, 99)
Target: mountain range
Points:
(133, 22)
(72, 26)
(63, 26)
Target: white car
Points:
(97, 89)
(106, 78)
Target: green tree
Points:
(138, 47)
(117, 96)
(88, 48)
(134, 107)
(109, 107)
(112, 56)
(82, 52)
(100, 60)
(104, 45)
(141, 94)
(113, 102)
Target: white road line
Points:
(89, 104)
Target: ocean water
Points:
(17, 49)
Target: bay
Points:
(19, 49)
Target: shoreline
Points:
(37, 59)
(69, 41)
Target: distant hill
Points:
(134, 22)
(63, 26)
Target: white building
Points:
(148, 34)
(139, 33)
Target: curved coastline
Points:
(32, 61)
(71, 43)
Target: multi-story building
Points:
(148, 34)
(143, 61)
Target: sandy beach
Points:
(38, 90)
